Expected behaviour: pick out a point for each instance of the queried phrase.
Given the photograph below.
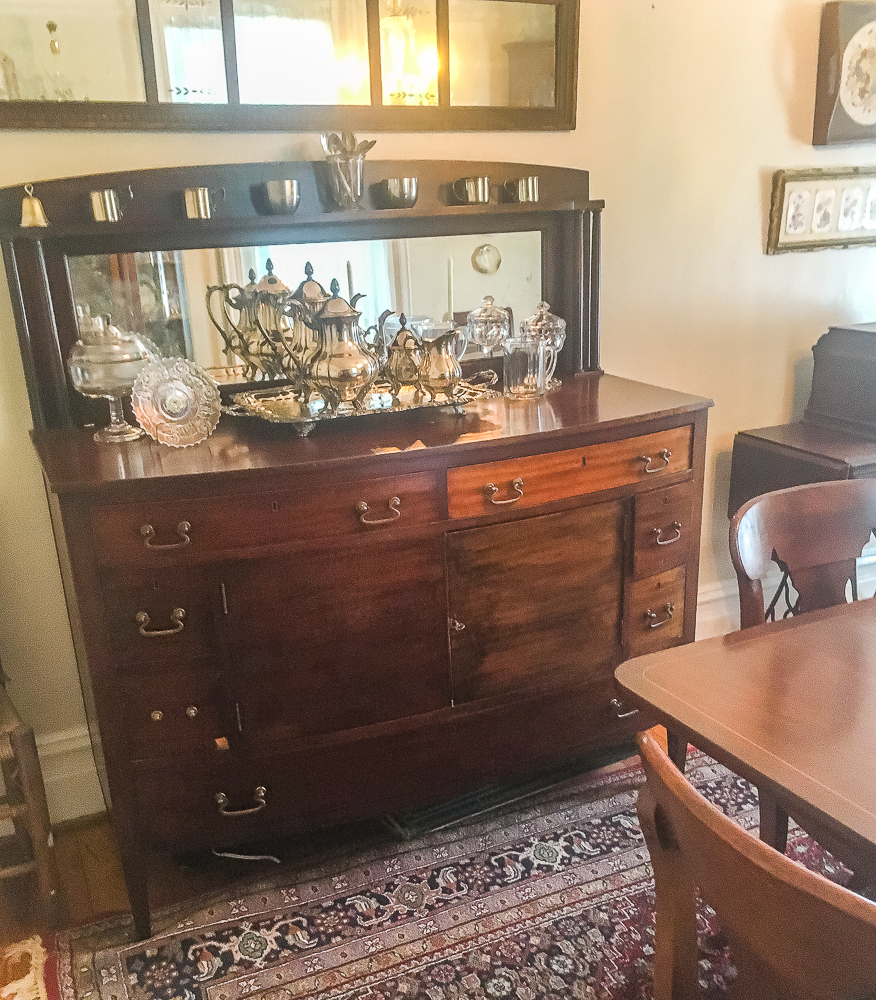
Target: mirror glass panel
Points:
(189, 56)
(409, 53)
(441, 278)
(69, 51)
(502, 53)
(302, 51)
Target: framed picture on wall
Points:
(845, 92)
(814, 209)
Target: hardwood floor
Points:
(92, 886)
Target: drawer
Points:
(162, 615)
(655, 616)
(537, 479)
(168, 713)
(184, 529)
(662, 529)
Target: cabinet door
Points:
(332, 638)
(535, 602)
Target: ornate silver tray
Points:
(284, 406)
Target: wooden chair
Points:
(24, 803)
(793, 935)
(814, 534)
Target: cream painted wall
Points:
(686, 107)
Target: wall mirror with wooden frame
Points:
(288, 65)
(150, 268)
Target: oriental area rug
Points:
(549, 898)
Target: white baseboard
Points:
(717, 609)
(69, 774)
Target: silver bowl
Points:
(395, 192)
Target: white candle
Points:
(450, 289)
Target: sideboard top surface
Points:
(591, 403)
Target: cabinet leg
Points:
(137, 884)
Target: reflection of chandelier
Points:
(409, 74)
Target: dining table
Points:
(790, 706)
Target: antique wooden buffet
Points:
(330, 664)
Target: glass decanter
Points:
(103, 364)
(544, 325)
(488, 326)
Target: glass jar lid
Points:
(544, 325)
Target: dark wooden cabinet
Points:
(278, 632)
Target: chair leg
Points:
(773, 821)
(676, 749)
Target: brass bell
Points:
(32, 211)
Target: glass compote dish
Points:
(103, 364)
(488, 326)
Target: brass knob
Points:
(156, 716)
(192, 711)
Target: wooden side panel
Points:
(324, 640)
(539, 600)
(562, 474)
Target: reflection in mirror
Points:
(302, 51)
(409, 53)
(502, 54)
(70, 51)
(163, 294)
(189, 55)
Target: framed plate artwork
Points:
(845, 92)
(813, 209)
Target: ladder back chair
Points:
(793, 934)
(814, 534)
(24, 804)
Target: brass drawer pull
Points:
(455, 625)
(182, 529)
(491, 490)
(176, 616)
(394, 505)
(676, 526)
(221, 800)
(621, 710)
(664, 453)
(655, 621)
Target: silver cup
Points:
(522, 188)
(472, 190)
(200, 201)
(105, 206)
(282, 197)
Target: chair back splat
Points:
(793, 934)
(814, 533)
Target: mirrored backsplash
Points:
(163, 294)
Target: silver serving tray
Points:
(281, 406)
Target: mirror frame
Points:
(153, 115)
(155, 219)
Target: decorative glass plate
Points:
(176, 402)
(285, 406)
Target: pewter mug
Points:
(472, 190)
(522, 189)
(395, 192)
(105, 206)
(200, 201)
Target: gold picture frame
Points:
(816, 209)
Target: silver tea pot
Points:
(343, 367)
